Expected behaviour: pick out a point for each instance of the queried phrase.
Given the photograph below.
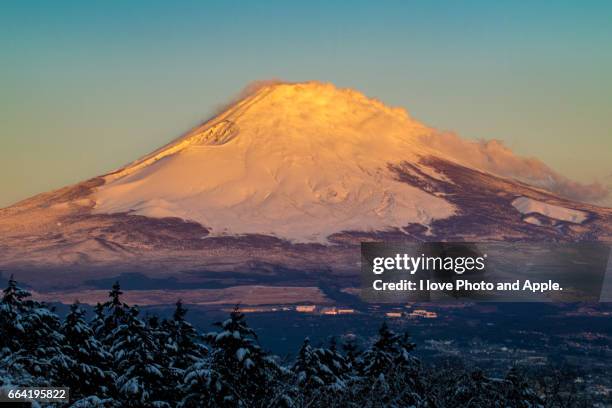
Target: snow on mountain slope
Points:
(297, 161)
(527, 206)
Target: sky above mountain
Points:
(88, 87)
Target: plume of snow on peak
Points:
(493, 156)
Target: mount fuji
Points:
(281, 187)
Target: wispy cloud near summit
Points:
(495, 157)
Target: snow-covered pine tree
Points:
(97, 323)
(336, 362)
(115, 314)
(237, 372)
(140, 380)
(307, 368)
(388, 351)
(85, 365)
(204, 385)
(389, 372)
(320, 367)
(164, 357)
(351, 351)
(30, 333)
(184, 345)
(13, 310)
(13, 373)
(319, 375)
(477, 390)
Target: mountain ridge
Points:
(294, 183)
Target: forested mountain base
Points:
(120, 359)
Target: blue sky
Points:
(89, 86)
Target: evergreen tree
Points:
(337, 364)
(164, 357)
(320, 375)
(140, 381)
(351, 351)
(116, 313)
(183, 343)
(238, 373)
(389, 351)
(307, 368)
(477, 390)
(389, 373)
(97, 323)
(14, 309)
(85, 366)
(13, 373)
(30, 331)
(204, 385)
(182, 347)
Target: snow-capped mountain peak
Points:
(297, 161)
(292, 176)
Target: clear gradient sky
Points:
(86, 86)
